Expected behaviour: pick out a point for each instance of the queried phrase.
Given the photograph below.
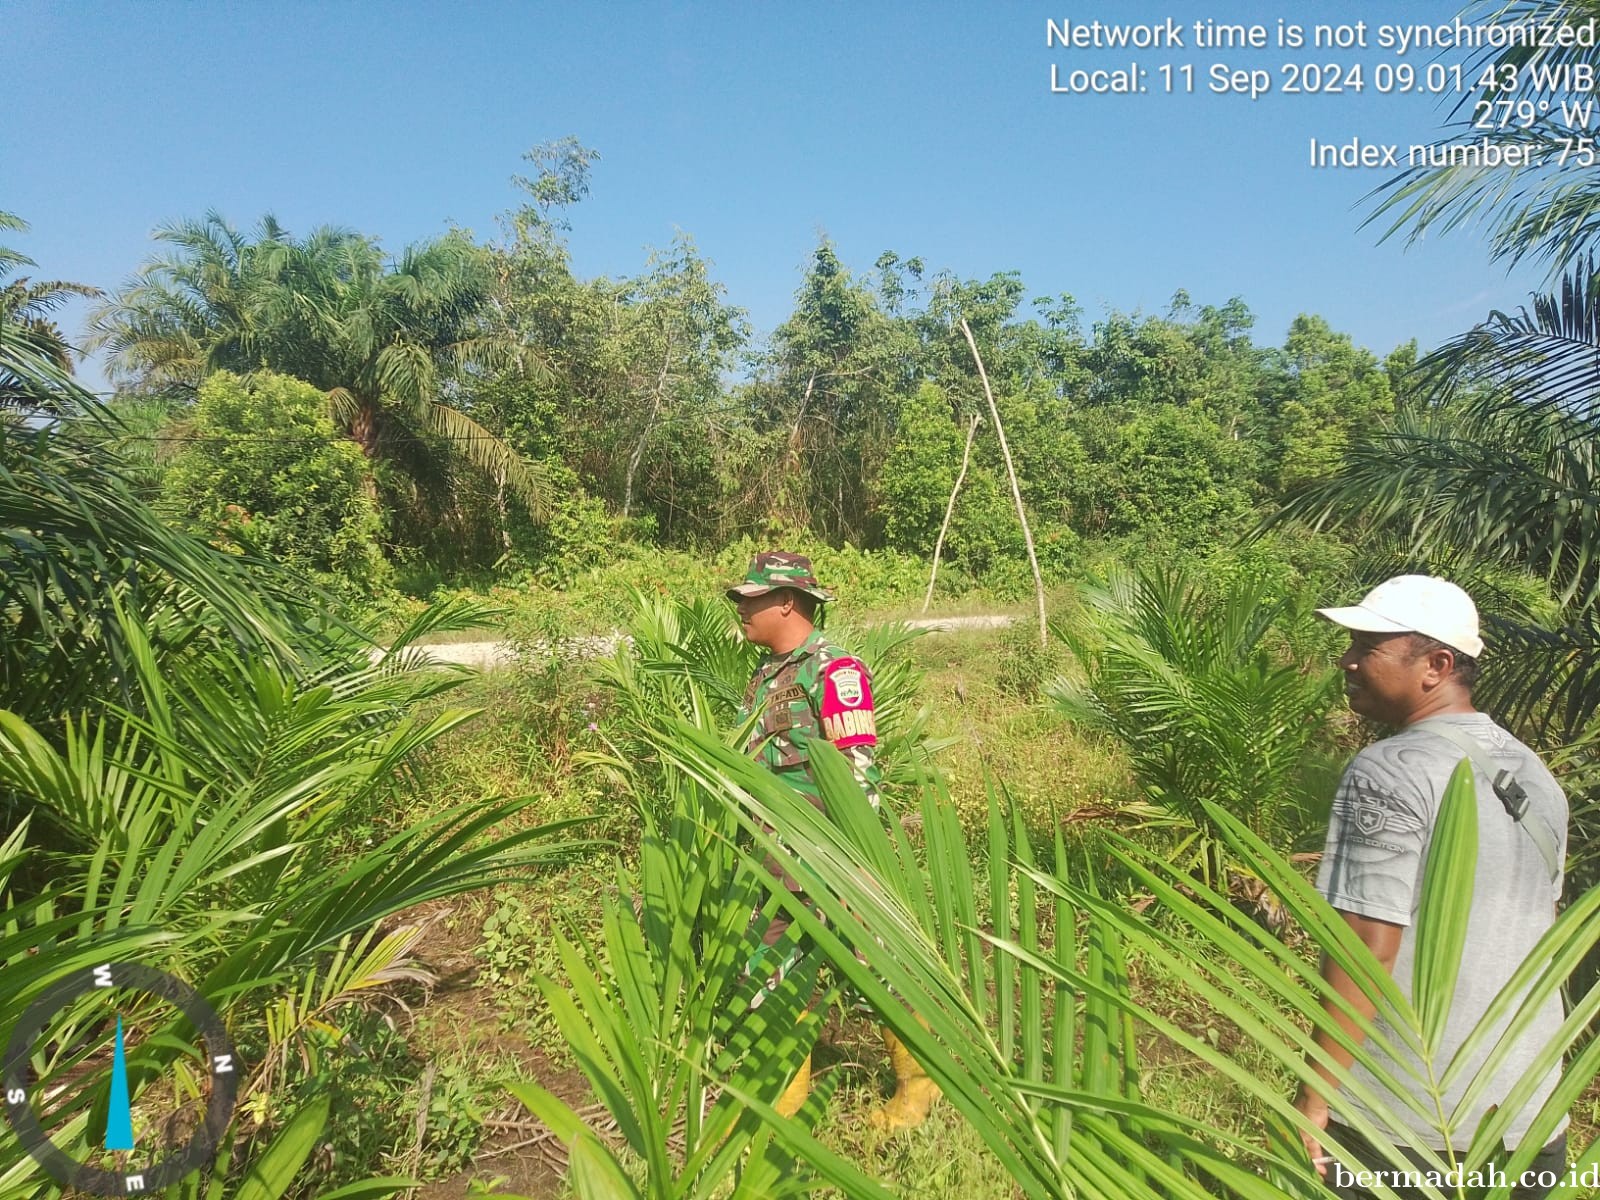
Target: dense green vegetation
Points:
(424, 921)
(515, 419)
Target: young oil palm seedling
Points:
(1190, 685)
(681, 1043)
(181, 785)
(210, 830)
(673, 1012)
(1060, 1103)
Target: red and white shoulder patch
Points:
(847, 716)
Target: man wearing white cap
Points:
(1411, 665)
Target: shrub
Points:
(1024, 665)
(861, 580)
(577, 536)
(263, 468)
(914, 485)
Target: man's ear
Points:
(1442, 662)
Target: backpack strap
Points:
(1513, 797)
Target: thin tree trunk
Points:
(1011, 473)
(500, 509)
(638, 451)
(949, 509)
(791, 474)
(794, 431)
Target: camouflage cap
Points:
(773, 569)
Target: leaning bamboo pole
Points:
(1011, 473)
(950, 508)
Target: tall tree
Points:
(677, 337)
(1332, 391)
(635, 401)
(557, 415)
(834, 374)
(388, 341)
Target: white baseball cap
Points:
(1435, 608)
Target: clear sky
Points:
(926, 128)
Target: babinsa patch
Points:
(847, 686)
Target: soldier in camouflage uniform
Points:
(805, 689)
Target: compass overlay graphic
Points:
(174, 1161)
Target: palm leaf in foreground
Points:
(1063, 1127)
(668, 1018)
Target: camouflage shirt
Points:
(813, 691)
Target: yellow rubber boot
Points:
(795, 1094)
(914, 1092)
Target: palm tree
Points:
(207, 833)
(1188, 683)
(186, 314)
(1499, 454)
(26, 325)
(389, 342)
(1499, 459)
(185, 743)
(1548, 210)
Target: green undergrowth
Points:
(981, 691)
(876, 585)
(869, 584)
(517, 947)
(531, 726)
(418, 1083)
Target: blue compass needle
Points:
(119, 1122)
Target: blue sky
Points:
(928, 129)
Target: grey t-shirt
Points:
(1378, 836)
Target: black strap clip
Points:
(1512, 794)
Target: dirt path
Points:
(490, 656)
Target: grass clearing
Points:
(1053, 772)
